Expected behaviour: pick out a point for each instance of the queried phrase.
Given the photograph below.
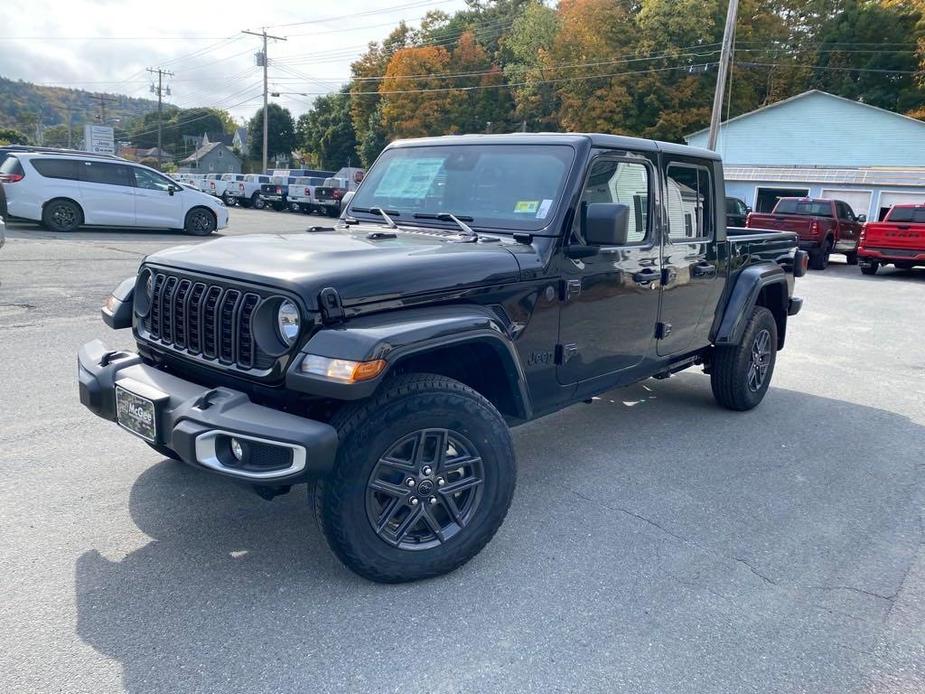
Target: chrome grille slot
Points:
(210, 322)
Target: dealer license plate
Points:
(137, 414)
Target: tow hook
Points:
(268, 493)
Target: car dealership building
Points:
(817, 144)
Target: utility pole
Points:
(262, 60)
(102, 98)
(724, 57)
(161, 73)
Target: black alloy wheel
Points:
(761, 360)
(199, 222)
(62, 215)
(423, 479)
(425, 489)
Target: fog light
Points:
(237, 450)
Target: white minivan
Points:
(65, 192)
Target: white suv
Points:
(67, 191)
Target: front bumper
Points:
(195, 422)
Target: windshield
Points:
(916, 215)
(512, 187)
(808, 208)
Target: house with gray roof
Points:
(213, 157)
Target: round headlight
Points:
(287, 322)
(144, 292)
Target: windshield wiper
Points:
(385, 214)
(447, 217)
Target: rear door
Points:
(690, 284)
(108, 193)
(154, 204)
(610, 300)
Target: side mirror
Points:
(861, 218)
(172, 189)
(748, 210)
(606, 224)
(345, 202)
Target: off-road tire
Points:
(199, 222)
(870, 268)
(257, 202)
(62, 216)
(819, 258)
(367, 431)
(229, 200)
(851, 258)
(332, 211)
(732, 364)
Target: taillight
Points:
(278, 189)
(863, 233)
(11, 178)
(814, 228)
(338, 193)
(307, 192)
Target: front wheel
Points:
(740, 374)
(199, 222)
(870, 267)
(424, 477)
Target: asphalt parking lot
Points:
(656, 543)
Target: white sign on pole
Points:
(98, 139)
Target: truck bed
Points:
(747, 245)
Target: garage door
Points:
(888, 199)
(859, 200)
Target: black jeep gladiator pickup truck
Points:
(473, 283)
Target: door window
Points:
(151, 181)
(110, 174)
(689, 199)
(623, 182)
(57, 168)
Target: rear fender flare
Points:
(743, 298)
(399, 335)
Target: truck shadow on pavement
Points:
(755, 551)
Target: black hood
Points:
(361, 269)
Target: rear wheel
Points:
(62, 215)
(332, 211)
(424, 477)
(199, 222)
(229, 200)
(870, 267)
(257, 202)
(740, 374)
(819, 258)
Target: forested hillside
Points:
(23, 105)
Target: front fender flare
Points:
(397, 335)
(742, 299)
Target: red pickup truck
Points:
(899, 239)
(823, 227)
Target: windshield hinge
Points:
(332, 310)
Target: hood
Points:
(361, 269)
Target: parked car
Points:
(824, 227)
(223, 184)
(898, 240)
(385, 358)
(329, 195)
(276, 192)
(302, 192)
(246, 192)
(736, 212)
(67, 191)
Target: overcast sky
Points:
(105, 45)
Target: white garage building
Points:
(817, 144)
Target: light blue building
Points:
(820, 145)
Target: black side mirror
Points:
(861, 218)
(606, 224)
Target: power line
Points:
(161, 73)
(367, 13)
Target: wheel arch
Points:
(65, 198)
(759, 285)
(468, 343)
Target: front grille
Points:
(205, 320)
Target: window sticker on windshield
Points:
(409, 178)
(526, 206)
(544, 209)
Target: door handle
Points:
(703, 270)
(646, 276)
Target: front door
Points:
(690, 267)
(848, 226)
(610, 299)
(155, 206)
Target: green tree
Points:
(280, 133)
(525, 50)
(11, 136)
(327, 132)
(375, 139)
